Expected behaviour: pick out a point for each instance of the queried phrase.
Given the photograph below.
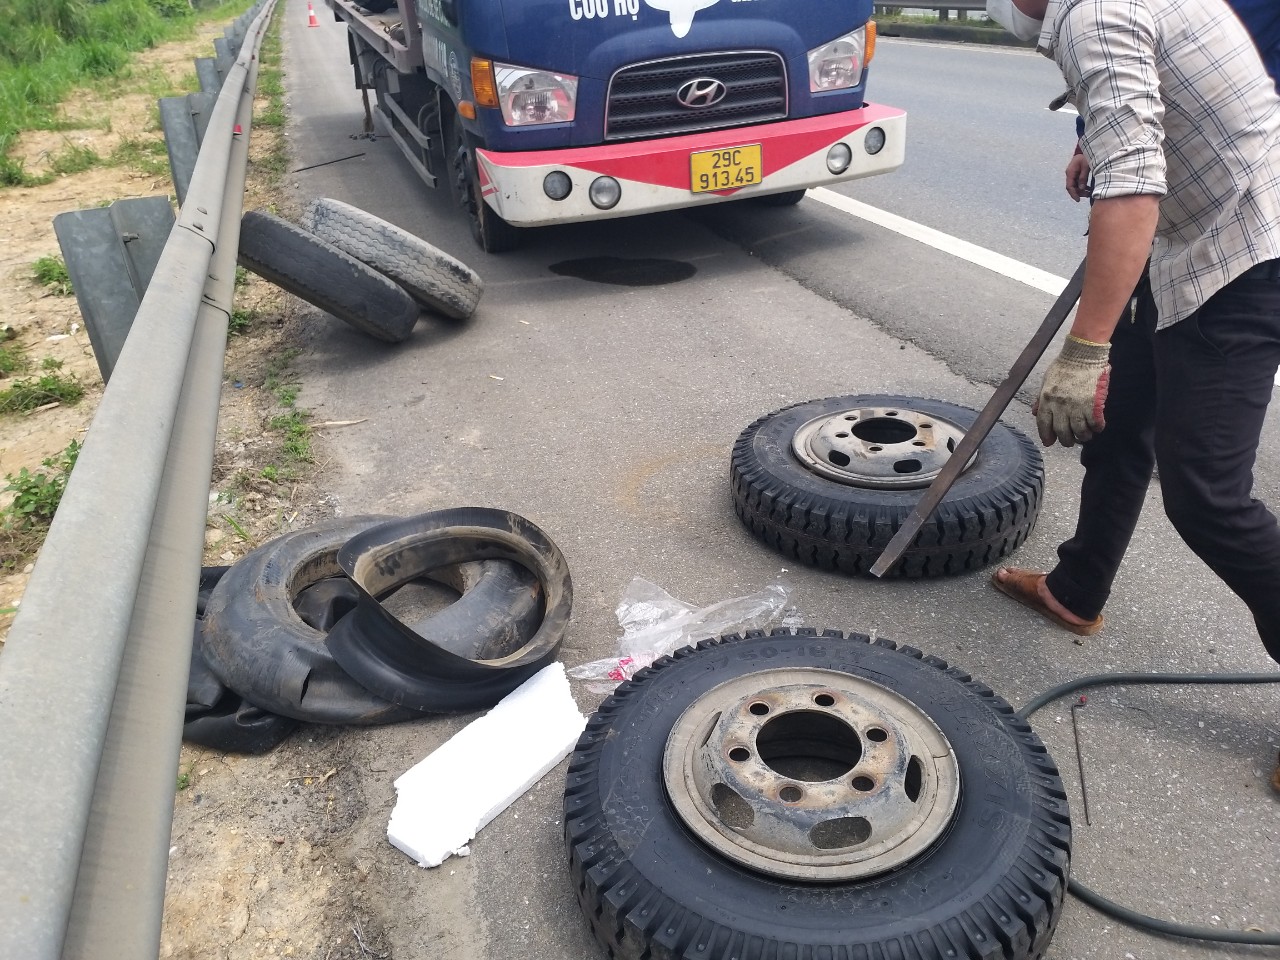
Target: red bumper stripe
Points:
(665, 162)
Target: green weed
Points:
(148, 156)
(51, 363)
(270, 472)
(237, 527)
(240, 321)
(184, 781)
(242, 276)
(11, 360)
(51, 272)
(75, 158)
(36, 495)
(296, 445)
(29, 394)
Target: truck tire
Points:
(394, 662)
(434, 279)
(256, 642)
(490, 231)
(795, 506)
(323, 275)
(788, 199)
(669, 862)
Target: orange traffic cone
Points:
(311, 16)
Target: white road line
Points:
(995, 262)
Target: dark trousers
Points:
(1190, 398)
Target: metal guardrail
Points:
(93, 675)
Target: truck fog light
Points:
(839, 157)
(605, 192)
(557, 185)
(874, 141)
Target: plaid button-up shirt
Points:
(1176, 102)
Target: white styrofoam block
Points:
(443, 801)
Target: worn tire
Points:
(321, 274)
(216, 717)
(434, 279)
(987, 514)
(490, 231)
(257, 644)
(990, 887)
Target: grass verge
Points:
(50, 47)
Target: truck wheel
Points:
(804, 794)
(788, 199)
(323, 275)
(493, 233)
(434, 279)
(829, 482)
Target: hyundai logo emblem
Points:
(702, 92)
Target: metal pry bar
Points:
(974, 436)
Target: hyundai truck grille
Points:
(644, 98)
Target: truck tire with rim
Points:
(321, 274)
(699, 823)
(491, 232)
(828, 483)
(434, 279)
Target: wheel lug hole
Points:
(759, 708)
(790, 794)
(739, 754)
(824, 699)
(864, 784)
(876, 735)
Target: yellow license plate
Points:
(725, 169)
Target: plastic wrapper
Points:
(654, 623)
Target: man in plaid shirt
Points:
(1171, 361)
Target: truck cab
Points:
(549, 111)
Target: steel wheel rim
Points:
(810, 774)
(878, 447)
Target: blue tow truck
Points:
(537, 112)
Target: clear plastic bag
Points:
(654, 623)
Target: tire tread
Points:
(635, 920)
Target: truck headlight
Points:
(838, 65)
(529, 97)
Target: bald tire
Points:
(991, 887)
(987, 514)
(321, 274)
(437, 281)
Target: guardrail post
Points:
(207, 74)
(222, 53)
(111, 254)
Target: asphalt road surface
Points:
(605, 413)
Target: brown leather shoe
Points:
(1024, 586)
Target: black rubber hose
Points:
(1097, 900)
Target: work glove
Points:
(1074, 393)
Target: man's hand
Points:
(1073, 394)
(1078, 177)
